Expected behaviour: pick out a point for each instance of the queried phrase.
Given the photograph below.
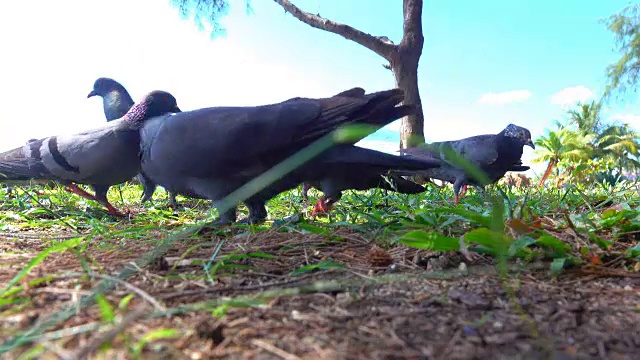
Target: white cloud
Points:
(631, 119)
(571, 95)
(504, 97)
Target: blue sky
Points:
(485, 64)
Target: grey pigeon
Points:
(362, 173)
(213, 151)
(347, 167)
(116, 101)
(100, 157)
(495, 154)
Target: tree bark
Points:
(547, 172)
(403, 58)
(404, 64)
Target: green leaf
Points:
(323, 265)
(106, 310)
(220, 311)
(431, 240)
(353, 132)
(634, 251)
(520, 244)
(13, 301)
(497, 215)
(471, 216)
(493, 240)
(312, 228)
(557, 265)
(603, 244)
(124, 302)
(611, 218)
(155, 335)
(556, 244)
(261, 255)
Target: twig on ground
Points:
(143, 294)
(273, 349)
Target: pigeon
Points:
(364, 176)
(116, 101)
(100, 157)
(494, 154)
(211, 152)
(348, 167)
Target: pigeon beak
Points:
(530, 143)
(92, 93)
(176, 110)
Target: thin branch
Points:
(136, 290)
(379, 45)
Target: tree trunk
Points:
(547, 172)
(412, 126)
(404, 64)
(403, 58)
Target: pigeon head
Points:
(155, 103)
(103, 86)
(519, 133)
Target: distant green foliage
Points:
(624, 73)
(585, 148)
(206, 12)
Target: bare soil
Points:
(384, 304)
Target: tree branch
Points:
(375, 44)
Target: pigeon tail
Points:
(375, 109)
(373, 159)
(519, 168)
(24, 163)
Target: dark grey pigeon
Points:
(347, 167)
(116, 101)
(494, 154)
(211, 152)
(362, 173)
(100, 157)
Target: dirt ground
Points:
(384, 304)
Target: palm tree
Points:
(586, 118)
(621, 144)
(563, 144)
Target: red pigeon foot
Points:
(322, 206)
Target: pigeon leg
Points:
(456, 190)
(305, 190)
(101, 197)
(464, 190)
(172, 201)
(75, 189)
(257, 211)
(148, 187)
(225, 218)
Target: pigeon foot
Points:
(323, 206)
(464, 190)
(111, 210)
